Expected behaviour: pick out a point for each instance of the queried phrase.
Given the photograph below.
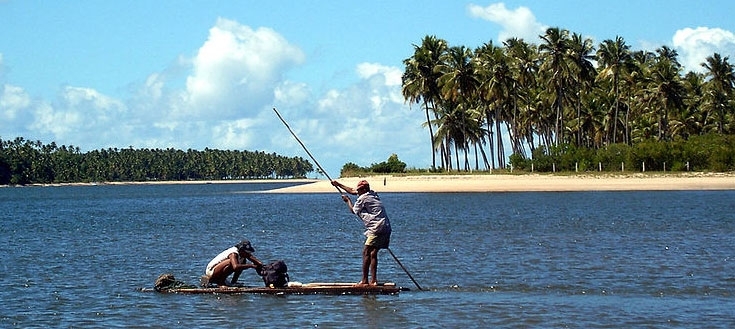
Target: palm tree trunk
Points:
(477, 157)
(501, 148)
(484, 159)
(490, 140)
(456, 155)
(466, 149)
(617, 109)
(431, 135)
(446, 146)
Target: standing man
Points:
(377, 226)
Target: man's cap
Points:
(245, 245)
(363, 183)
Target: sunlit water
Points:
(79, 256)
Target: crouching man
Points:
(233, 261)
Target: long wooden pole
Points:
(404, 269)
(340, 191)
(305, 149)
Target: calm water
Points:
(78, 257)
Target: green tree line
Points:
(392, 165)
(26, 162)
(564, 94)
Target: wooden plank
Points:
(312, 288)
(342, 284)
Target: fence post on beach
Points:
(664, 166)
(644, 166)
(553, 167)
(622, 166)
(687, 165)
(599, 164)
(576, 167)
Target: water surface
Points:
(77, 256)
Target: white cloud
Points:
(369, 118)
(104, 106)
(214, 99)
(222, 98)
(58, 123)
(18, 113)
(13, 100)
(391, 75)
(379, 86)
(291, 94)
(236, 70)
(695, 45)
(234, 135)
(154, 87)
(225, 89)
(518, 23)
(362, 123)
(83, 113)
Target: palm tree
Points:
(458, 82)
(669, 54)
(523, 60)
(691, 118)
(456, 129)
(590, 122)
(581, 54)
(719, 86)
(666, 93)
(613, 57)
(496, 92)
(420, 80)
(556, 67)
(636, 75)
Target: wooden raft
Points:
(333, 288)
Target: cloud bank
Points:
(222, 97)
(696, 44)
(518, 23)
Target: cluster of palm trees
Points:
(26, 162)
(563, 91)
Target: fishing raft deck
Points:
(303, 289)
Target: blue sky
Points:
(196, 74)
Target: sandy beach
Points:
(528, 182)
(491, 182)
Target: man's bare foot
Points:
(361, 283)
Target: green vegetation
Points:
(564, 103)
(26, 162)
(392, 165)
(711, 152)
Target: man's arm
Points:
(344, 187)
(256, 261)
(235, 263)
(238, 267)
(348, 201)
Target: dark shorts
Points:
(381, 241)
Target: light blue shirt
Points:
(370, 209)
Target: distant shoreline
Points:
(176, 182)
(487, 182)
(529, 183)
